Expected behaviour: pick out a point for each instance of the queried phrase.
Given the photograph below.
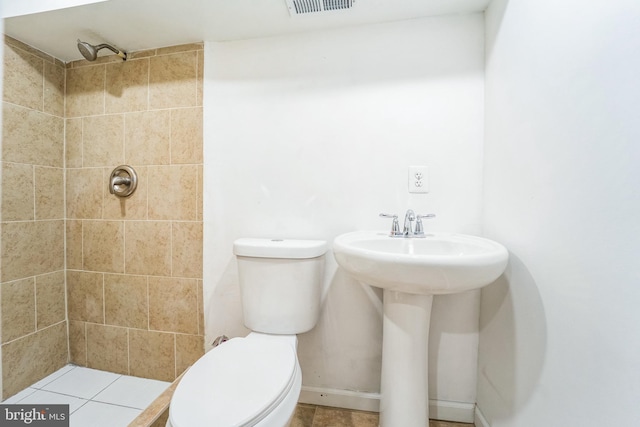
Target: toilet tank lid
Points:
(279, 248)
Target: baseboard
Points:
(451, 411)
(363, 401)
(359, 400)
(480, 420)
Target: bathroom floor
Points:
(324, 416)
(104, 399)
(95, 398)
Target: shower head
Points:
(90, 52)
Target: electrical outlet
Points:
(418, 179)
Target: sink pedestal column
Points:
(404, 388)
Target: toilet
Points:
(256, 380)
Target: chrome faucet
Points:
(408, 230)
(409, 217)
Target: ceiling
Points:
(133, 25)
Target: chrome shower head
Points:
(90, 52)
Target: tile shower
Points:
(88, 278)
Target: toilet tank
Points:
(280, 283)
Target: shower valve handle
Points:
(123, 181)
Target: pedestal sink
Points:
(411, 271)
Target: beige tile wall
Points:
(32, 276)
(126, 273)
(134, 266)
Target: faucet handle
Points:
(419, 228)
(395, 226)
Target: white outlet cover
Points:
(418, 179)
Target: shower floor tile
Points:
(95, 398)
(82, 382)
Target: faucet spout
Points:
(409, 217)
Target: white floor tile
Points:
(49, 398)
(95, 414)
(57, 374)
(19, 396)
(82, 382)
(132, 391)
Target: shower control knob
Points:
(123, 181)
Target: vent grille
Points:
(301, 7)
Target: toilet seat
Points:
(236, 384)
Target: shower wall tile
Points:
(23, 82)
(148, 248)
(189, 348)
(147, 138)
(199, 193)
(126, 303)
(173, 305)
(186, 136)
(152, 354)
(33, 357)
(103, 246)
(85, 91)
(172, 80)
(54, 81)
(200, 307)
(141, 54)
(17, 192)
(145, 112)
(127, 86)
(49, 186)
(77, 342)
(31, 248)
(84, 189)
(74, 244)
(103, 140)
(129, 208)
(174, 195)
(30, 136)
(85, 296)
(32, 260)
(18, 309)
(50, 299)
(10, 41)
(200, 79)
(186, 250)
(73, 143)
(107, 348)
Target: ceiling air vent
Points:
(302, 7)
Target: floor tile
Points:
(303, 416)
(49, 398)
(337, 417)
(19, 396)
(96, 414)
(132, 391)
(57, 374)
(82, 382)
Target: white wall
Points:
(560, 334)
(310, 136)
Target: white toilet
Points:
(256, 380)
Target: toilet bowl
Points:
(251, 381)
(256, 380)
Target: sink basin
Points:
(439, 263)
(411, 271)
